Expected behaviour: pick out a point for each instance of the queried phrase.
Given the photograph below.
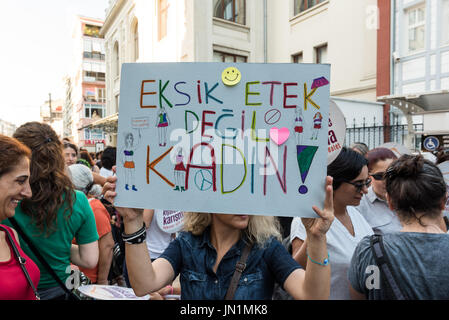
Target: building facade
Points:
(257, 31)
(421, 46)
(85, 100)
(419, 64)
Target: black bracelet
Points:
(136, 237)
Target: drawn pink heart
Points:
(279, 136)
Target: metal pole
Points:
(265, 36)
(49, 105)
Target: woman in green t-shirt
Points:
(55, 213)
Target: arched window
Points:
(231, 10)
(115, 60)
(135, 38)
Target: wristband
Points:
(169, 286)
(324, 263)
(136, 237)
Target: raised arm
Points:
(314, 282)
(145, 277)
(148, 215)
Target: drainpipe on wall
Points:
(392, 43)
(265, 48)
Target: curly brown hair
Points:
(50, 184)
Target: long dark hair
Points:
(51, 187)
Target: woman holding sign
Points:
(207, 253)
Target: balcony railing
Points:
(94, 56)
(90, 76)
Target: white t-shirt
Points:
(340, 245)
(157, 239)
(105, 172)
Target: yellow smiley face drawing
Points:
(231, 76)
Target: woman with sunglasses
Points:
(374, 207)
(350, 182)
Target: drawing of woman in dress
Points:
(180, 171)
(299, 125)
(127, 155)
(317, 120)
(162, 123)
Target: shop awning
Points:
(415, 104)
(108, 124)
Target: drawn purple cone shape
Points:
(319, 82)
(305, 155)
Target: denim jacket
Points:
(194, 257)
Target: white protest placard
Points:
(169, 221)
(105, 292)
(337, 132)
(242, 138)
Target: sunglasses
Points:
(378, 176)
(359, 185)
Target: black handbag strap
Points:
(21, 261)
(393, 288)
(239, 268)
(41, 259)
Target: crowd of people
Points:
(380, 234)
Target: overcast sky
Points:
(36, 52)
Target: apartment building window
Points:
(93, 76)
(302, 5)
(445, 22)
(162, 18)
(93, 49)
(101, 95)
(93, 110)
(297, 58)
(416, 28)
(91, 31)
(93, 71)
(321, 54)
(231, 10)
(89, 95)
(95, 95)
(228, 57)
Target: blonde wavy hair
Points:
(259, 230)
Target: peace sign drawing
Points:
(203, 180)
